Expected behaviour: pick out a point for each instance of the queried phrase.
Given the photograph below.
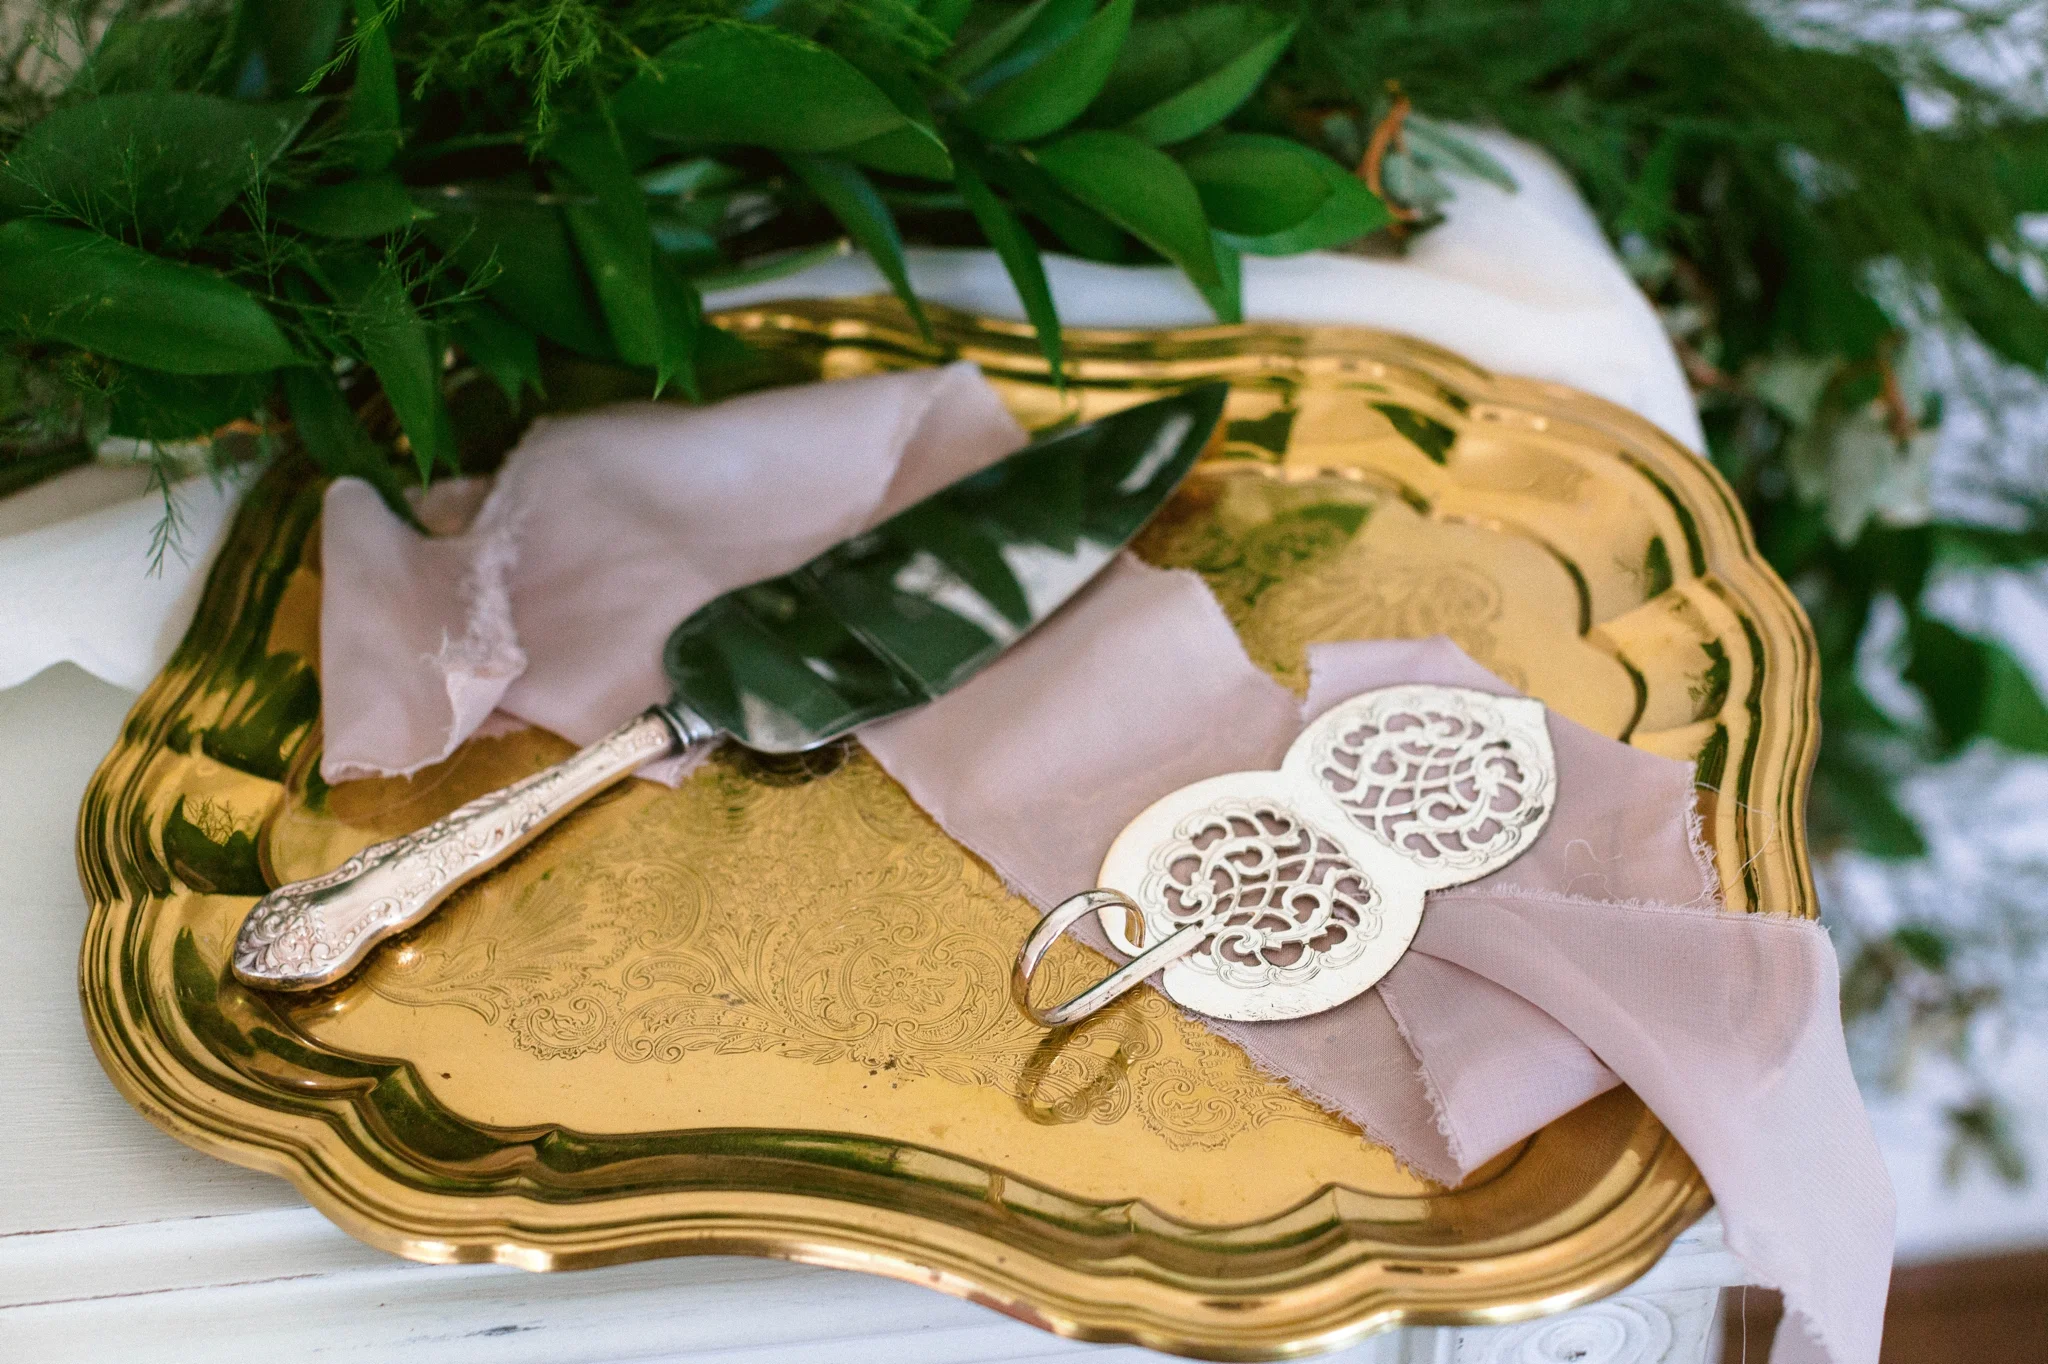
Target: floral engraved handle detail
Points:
(312, 933)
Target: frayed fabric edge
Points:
(477, 667)
(1708, 913)
(1702, 850)
(1439, 1108)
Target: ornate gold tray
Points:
(766, 1013)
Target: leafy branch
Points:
(218, 197)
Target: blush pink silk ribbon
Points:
(1600, 956)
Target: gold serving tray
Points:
(766, 1013)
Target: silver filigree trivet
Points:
(1257, 896)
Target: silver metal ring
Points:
(1110, 988)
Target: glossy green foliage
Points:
(244, 186)
(1274, 197)
(749, 85)
(156, 166)
(1142, 190)
(1052, 92)
(1181, 74)
(92, 291)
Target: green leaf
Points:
(1165, 54)
(946, 16)
(1948, 668)
(1974, 688)
(1352, 211)
(736, 83)
(520, 250)
(372, 123)
(1254, 186)
(1925, 945)
(614, 239)
(1032, 30)
(1080, 229)
(1440, 145)
(764, 270)
(2020, 163)
(1227, 300)
(151, 406)
(277, 48)
(681, 311)
(398, 344)
(1988, 547)
(1985, 1130)
(853, 201)
(499, 347)
(2013, 713)
(337, 442)
(372, 206)
(1053, 93)
(913, 149)
(161, 164)
(63, 284)
(1049, 28)
(1853, 801)
(1996, 306)
(1821, 308)
(1019, 254)
(686, 179)
(151, 54)
(1182, 74)
(1142, 190)
(1274, 197)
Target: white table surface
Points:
(117, 1243)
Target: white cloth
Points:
(1523, 283)
(75, 578)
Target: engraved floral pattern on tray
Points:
(841, 951)
(1306, 574)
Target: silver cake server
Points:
(875, 625)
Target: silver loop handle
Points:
(1111, 987)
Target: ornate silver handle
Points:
(312, 933)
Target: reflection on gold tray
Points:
(766, 1013)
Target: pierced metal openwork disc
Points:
(1312, 877)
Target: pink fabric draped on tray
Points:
(600, 533)
(1601, 956)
